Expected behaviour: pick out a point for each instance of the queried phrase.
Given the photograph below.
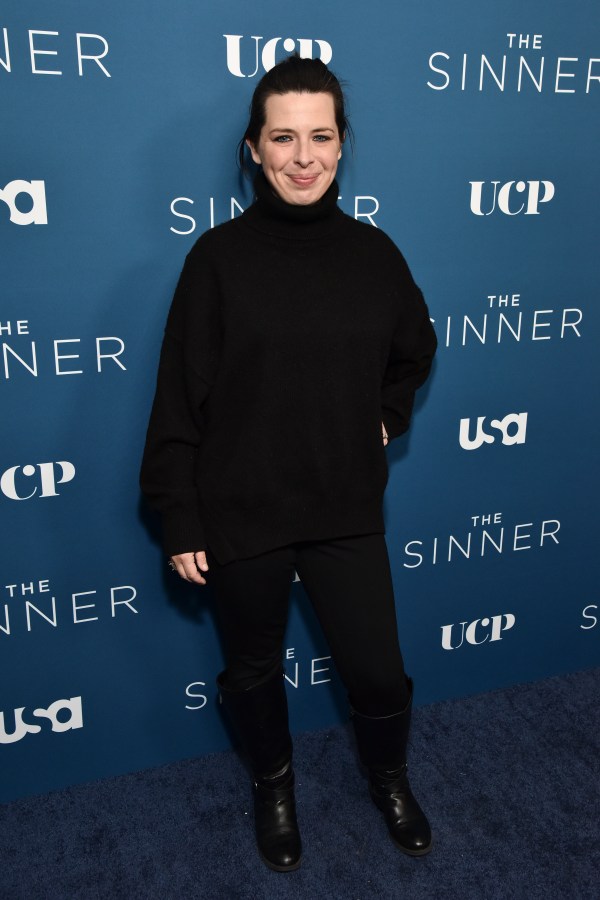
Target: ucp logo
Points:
(501, 197)
(50, 475)
(75, 720)
(500, 425)
(267, 56)
(491, 629)
(37, 215)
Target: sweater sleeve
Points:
(412, 350)
(187, 366)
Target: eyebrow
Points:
(292, 131)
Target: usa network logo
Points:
(512, 428)
(31, 209)
(307, 48)
(74, 719)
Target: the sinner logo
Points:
(21, 727)
(36, 214)
(514, 436)
(305, 47)
(532, 194)
(42, 61)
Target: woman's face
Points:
(299, 146)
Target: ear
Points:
(255, 155)
(342, 139)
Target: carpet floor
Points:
(510, 781)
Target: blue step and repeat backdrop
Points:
(477, 151)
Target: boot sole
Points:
(276, 868)
(422, 852)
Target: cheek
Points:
(334, 153)
(275, 157)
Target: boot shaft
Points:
(382, 740)
(259, 716)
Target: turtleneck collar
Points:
(272, 215)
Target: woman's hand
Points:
(384, 433)
(188, 566)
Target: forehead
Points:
(298, 110)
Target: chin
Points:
(304, 200)
(305, 197)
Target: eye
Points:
(282, 139)
(321, 138)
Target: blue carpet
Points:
(510, 780)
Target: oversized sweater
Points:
(293, 333)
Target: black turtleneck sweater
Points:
(293, 333)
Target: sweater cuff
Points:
(182, 533)
(394, 425)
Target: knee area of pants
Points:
(380, 700)
(244, 677)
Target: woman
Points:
(293, 348)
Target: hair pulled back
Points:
(293, 75)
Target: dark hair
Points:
(293, 75)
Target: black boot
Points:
(260, 716)
(382, 749)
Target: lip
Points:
(303, 180)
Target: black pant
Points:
(348, 581)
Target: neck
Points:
(273, 215)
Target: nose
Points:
(304, 152)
